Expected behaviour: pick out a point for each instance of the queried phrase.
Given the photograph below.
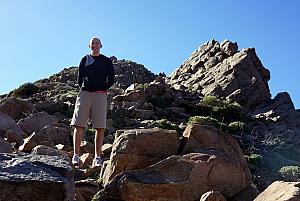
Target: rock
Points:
(279, 107)
(87, 160)
(5, 147)
(86, 189)
(87, 147)
(280, 191)
(49, 136)
(6, 122)
(138, 148)
(16, 108)
(212, 196)
(106, 149)
(49, 151)
(35, 177)
(247, 194)
(63, 147)
(37, 122)
(15, 135)
(10, 129)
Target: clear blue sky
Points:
(39, 38)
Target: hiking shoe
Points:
(97, 162)
(76, 160)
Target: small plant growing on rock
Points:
(208, 121)
(290, 173)
(211, 101)
(236, 127)
(255, 159)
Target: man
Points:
(95, 76)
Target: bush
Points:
(208, 121)
(236, 127)
(211, 101)
(255, 159)
(290, 173)
(26, 89)
(142, 86)
(165, 124)
(227, 112)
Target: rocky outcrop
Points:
(219, 69)
(35, 177)
(281, 191)
(275, 129)
(128, 72)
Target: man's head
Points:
(95, 45)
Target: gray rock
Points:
(35, 177)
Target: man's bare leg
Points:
(99, 141)
(77, 137)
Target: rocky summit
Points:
(209, 131)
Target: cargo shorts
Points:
(90, 105)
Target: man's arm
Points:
(110, 75)
(80, 73)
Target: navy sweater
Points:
(98, 76)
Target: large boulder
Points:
(281, 191)
(35, 177)
(219, 69)
(139, 148)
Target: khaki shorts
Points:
(91, 105)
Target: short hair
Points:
(95, 38)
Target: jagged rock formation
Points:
(220, 69)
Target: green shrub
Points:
(236, 127)
(255, 159)
(227, 112)
(208, 121)
(211, 101)
(290, 173)
(26, 89)
(142, 86)
(165, 124)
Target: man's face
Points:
(95, 45)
